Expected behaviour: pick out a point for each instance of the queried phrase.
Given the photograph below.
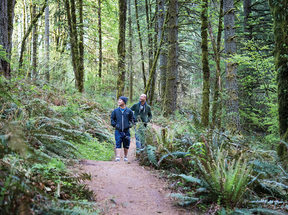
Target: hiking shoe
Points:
(125, 159)
(117, 159)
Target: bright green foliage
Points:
(228, 180)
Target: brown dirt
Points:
(128, 188)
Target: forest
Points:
(216, 77)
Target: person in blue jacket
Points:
(122, 119)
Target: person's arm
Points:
(113, 118)
(149, 115)
(133, 108)
(131, 119)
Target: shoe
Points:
(117, 159)
(126, 159)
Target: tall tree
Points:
(140, 43)
(27, 33)
(217, 106)
(149, 35)
(100, 39)
(121, 47)
(76, 41)
(170, 100)
(232, 105)
(205, 64)
(130, 62)
(163, 51)
(279, 10)
(6, 31)
(47, 42)
(247, 15)
(35, 46)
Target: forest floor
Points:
(128, 188)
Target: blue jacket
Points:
(122, 121)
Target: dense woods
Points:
(215, 74)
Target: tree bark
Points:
(163, 51)
(47, 43)
(205, 64)
(149, 36)
(232, 104)
(81, 48)
(279, 10)
(140, 43)
(27, 33)
(247, 12)
(121, 48)
(6, 31)
(170, 100)
(216, 119)
(35, 47)
(130, 63)
(100, 39)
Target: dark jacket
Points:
(144, 115)
(122, 121)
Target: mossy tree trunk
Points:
(279, 10)
(76, 41)
(130, 63)
(27, 33)
(205, 64)
(216, 105)
(140, 43)
(100, 39)
(6, 31)
(121, 48)
(47, 43)
(232, 103)
(35, 47)
(163, 51)
(170, 98)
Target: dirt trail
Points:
(125, 188)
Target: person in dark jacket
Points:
(122, 119)
(143, 114)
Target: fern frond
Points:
(151, 152)
(191, 179)
(177, 154)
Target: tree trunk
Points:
(130, 63)
(35, 47)
(246, 25)
(232, 105)
(6, 31)
(27, 33)
(100, 39)
(279, 10)
(163, 51)
(47, 43)
(77, 47)
(170, 100)
(149, 36)
(205, 64)
(81, 49)
(140, 43)
(217, 87)
(121, 48)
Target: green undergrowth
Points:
(44, 131)
(93, 150)
(214, 170)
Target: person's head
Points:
(143, 98)
(122, 101)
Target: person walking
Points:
(143, 114)
(122, 119)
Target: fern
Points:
(174, 155)
(257, 211)
(191, 179)
(151, 152)
(184, 200)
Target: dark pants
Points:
(122, 137)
